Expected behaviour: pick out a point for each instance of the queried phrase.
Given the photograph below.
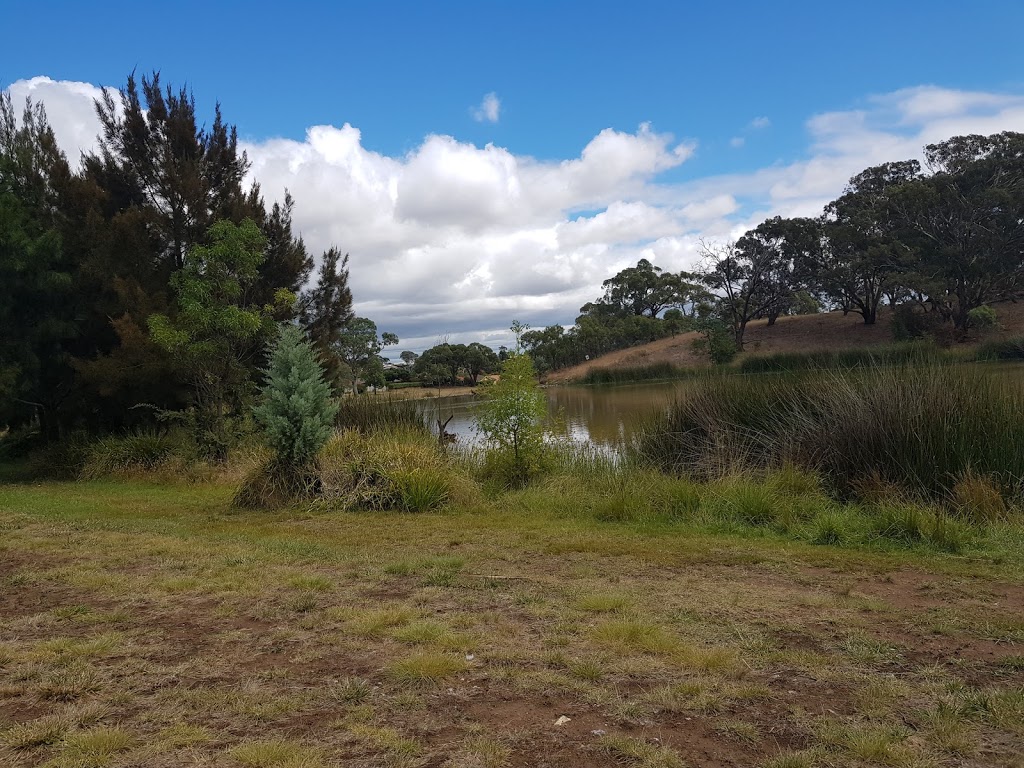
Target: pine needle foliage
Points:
(297, 411)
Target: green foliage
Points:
(450, 363)
(297, 413)
(213, 330)
(983, 318)
(804, 303)
(326, 309)
(511, 419)
(358, 346)
(716, 340)
(37, 314)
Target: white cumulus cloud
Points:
(489, 109)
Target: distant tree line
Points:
(149, 281)
(938, 244)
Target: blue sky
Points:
(401, 72)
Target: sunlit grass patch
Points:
(800, 759)
(69, 682)
(93, 748)
(66, 648)
(693, 696)
(36, 733)
(375, 623)
(277, 753)
(184, 735)
(425, 668)
(1001, 707)
(949, 730)
(639, 753)
(429, 633)
(875, 744)
(635, 635)
(351, 690)
(864, 649)
(590, 670)
(480, 752)
(384, 739)
(311, 583)
(602, 602)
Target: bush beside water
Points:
(913, 431)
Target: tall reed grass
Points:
(916, 430)
(1005, 349)
(908, 353)
(638, 373)
(374, 413)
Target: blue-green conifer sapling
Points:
(297, 411)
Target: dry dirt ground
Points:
(153, 626)
(804, 333)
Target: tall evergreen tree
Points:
(37, 310)
(326, 309)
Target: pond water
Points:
(601, 416)
(604, 416)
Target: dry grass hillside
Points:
(803, 333)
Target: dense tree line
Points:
(935, 243)
(149, 279)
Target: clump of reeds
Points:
(639, 373)
(908, 353)
(920, 429)
(373, 413)
(1004, 349)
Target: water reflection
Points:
(602, 416)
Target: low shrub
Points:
(62, 460)
(911, 321)
(404, 471)
(983, 318)
(401, 471)
(143, 450)
(16, 444)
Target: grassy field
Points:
(154, 625)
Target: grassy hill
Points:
(802, 333)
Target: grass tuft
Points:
(425, 669)
(640, 753)
(277, 753)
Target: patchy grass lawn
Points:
(153, 626)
